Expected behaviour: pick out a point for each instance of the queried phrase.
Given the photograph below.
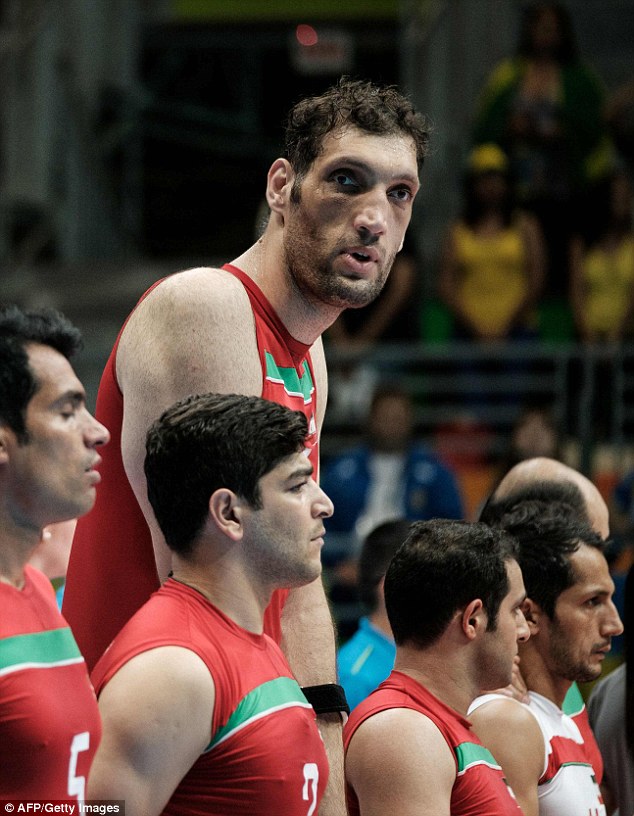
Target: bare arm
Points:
(193, 334)
(156, 714)
(398, 763)
(514, 738)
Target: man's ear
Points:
(279, 184)
(473, 619)
(225, 513)
(533, 614)
(5, 433)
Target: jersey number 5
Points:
(77, 784)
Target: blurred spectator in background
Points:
(389, 476)
(544, 106)
(368, 657)
(602, 265)
(492, 262)
(611, 710)
(533, 434)
(619, 114)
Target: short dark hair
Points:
(376, 553)
(206, 442)
(548, 533)
(546, 490)
(440, 568)
(18, 384)
(382, 110)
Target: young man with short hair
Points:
(454, 594)
(201, 712)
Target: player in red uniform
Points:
(201, 713)
(453, 593)
(49, 721)
(340, 202)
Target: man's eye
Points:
(344, 180)
(402, 194)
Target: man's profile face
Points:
(285, 534)
(52, 474)
(347, 219)
(500, 644)
(585, 620)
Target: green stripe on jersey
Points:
(55, 647)
(469, 754)
(573, 701)
(272, 696)
(294, 385)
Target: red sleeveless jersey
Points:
(265, 754)
(480, 788)
(112, 571)
(49, 721)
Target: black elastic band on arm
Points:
(326, 699)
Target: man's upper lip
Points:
(371, 252)
(94, 464)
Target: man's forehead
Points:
(589, 568)
(52, 371)
(345, 141)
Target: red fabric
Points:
(261, 767)
(112, 571)
(48, 710)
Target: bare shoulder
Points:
(398, 758)
(512, 734)
(195, 329)
(150, 674)
(205, 292)
(506, 710)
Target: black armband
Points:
(326, 699)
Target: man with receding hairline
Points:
(550, 479)
(554, 768)
(541, 469)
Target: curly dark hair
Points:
(382, 110)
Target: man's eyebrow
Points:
(300, 470)
(74, 395)
(357, 164)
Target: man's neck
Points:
(264, 262)
(539, 678)
(228, 589)
(380, 621)
(448, 680)
(15, 551)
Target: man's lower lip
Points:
(362, 268)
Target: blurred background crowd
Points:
(134, 139)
